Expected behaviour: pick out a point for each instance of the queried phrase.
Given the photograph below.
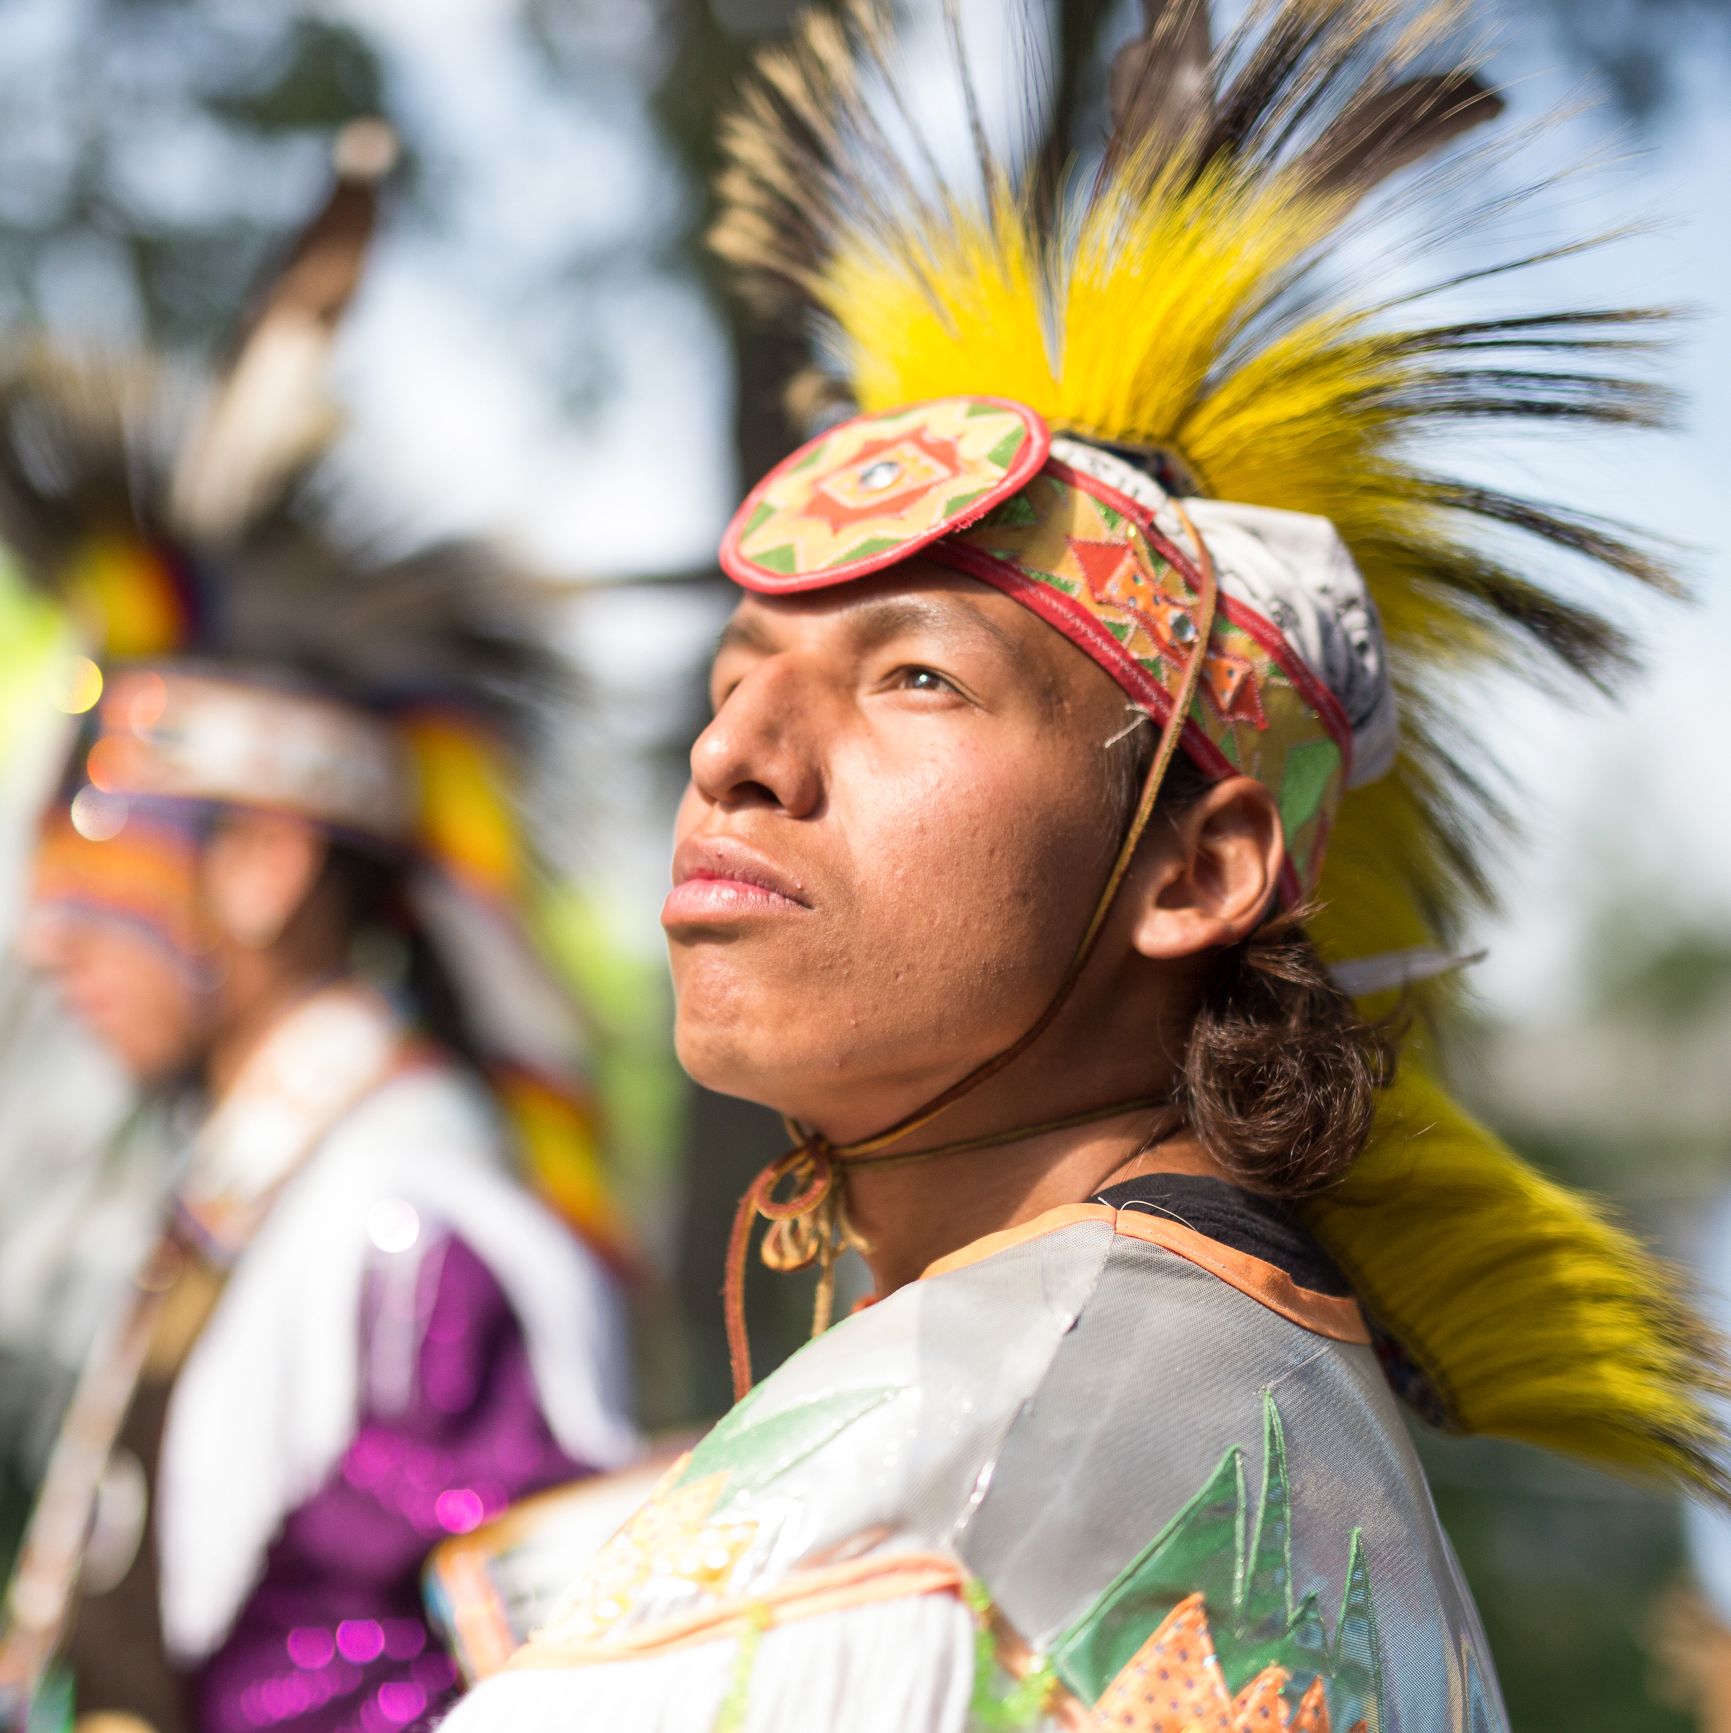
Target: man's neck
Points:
(911, 1214)
(255, 1008)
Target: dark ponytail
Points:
(372, 899)
(1280, 1072)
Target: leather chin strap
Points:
(811, 1225)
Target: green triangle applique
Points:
(1003, 454)
(1068, 586)
(864, 550)
(1017, 512)
(1239, 1560)
(1353, 1660)
(765, 511)
(962, 501)
(783, 559)
(815, 455)
(753, 1452)
(1304, 781)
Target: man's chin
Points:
(736, 1059)
(720, 1061)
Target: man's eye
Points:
(924, 680)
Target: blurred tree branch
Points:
(1639, 50)
(111, 124)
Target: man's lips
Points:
(717, 879)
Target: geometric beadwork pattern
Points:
(969, 481)
(1201, 1631)
(877, 489)
(1092, 562)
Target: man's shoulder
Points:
(890, 1437)
(1108, 1456)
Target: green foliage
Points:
(311, 73)
(1569, 1571)
(624, 992)
(31, 631)
(155, 152)
(1672, 978)
(1572, 1571)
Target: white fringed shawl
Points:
(270, 1396)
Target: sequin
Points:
(401, 1700)
(360, 1640)
(875, 477)
(311, 1646)
(459, 1510)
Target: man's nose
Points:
(759, 749)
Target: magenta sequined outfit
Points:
(334, 1637)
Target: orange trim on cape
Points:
(803, 1595)
(1336, 1316)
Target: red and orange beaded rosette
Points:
(970, 483)
(877, 489)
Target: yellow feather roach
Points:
(1186, 297)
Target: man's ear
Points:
(258, 869)
(1210, 880)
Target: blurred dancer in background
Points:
(284, 880)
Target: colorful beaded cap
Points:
(877, 489)
(971, 484)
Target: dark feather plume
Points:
(288, 571)
(1161, 85)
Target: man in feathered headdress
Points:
(286, 879)
(1079, 794)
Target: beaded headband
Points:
(166, 733)
(1095, 548)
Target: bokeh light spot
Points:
(311, 1646)
(458, 1510)
(392, 1225)
(97, 816)
(79, 688)
(360, 1640)
(146, 699)
(111, 764)
(401, 1700)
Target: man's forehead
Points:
(917, 598)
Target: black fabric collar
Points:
(1259, 1226)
